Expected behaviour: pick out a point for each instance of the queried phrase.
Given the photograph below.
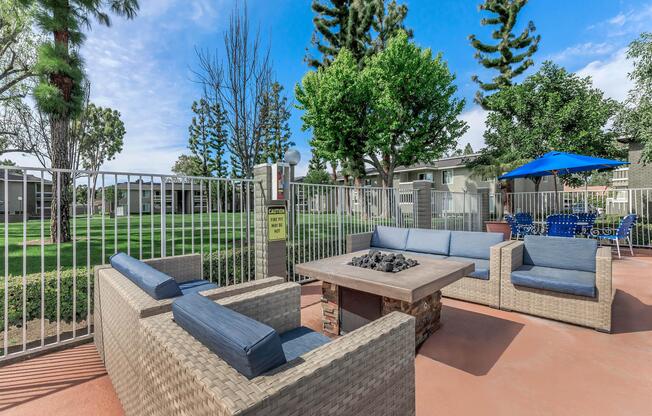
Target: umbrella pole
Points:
(554, 178)
(586, 193)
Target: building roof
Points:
(443, 163)
(18, 177)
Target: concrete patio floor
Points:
(482, 361)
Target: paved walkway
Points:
(481, 362)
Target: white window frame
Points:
(450, 178)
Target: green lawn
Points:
(186, 239)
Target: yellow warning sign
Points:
(276, 226)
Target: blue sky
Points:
(143, 67)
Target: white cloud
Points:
(618, 20)
(583, 50)
(475, 117)
(611, 75)
(130, 72)
(633, 21)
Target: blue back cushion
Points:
(476, 245)
(389, 237)
(560, 252)
(156, 284)
(195, 286)
(245, 344)
(428, 241)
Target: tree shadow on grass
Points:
(470, 341)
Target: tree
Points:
(207, 138)
(101, 135)
(17, 44)
(238, 85)
(7, 162)
(511, 56)
(274, 115)
(413, 113)
(551, 110)
(60, 92)
(388, 21)
(335, 101)
(634, 121)
(318, 177)
(341, 24)
(468, 149)
(187, 166)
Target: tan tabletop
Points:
(408, 285)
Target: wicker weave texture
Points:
(369, 371)
(580, 310)
(182, 268)
(120, 307)
(486, 292)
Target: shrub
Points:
(33, 298)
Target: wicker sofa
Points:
(120, 306)
(369, 371)
(483, 249)
(566, 279)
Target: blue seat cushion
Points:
(195, 286)
(476, 245)
(389, 237)
(572, 282)
(245, 344)
(560, 252)
(428, 241)
(301, 340)
(156, 284)
(481, 267)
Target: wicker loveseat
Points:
(483, 249)
(369, 371)
(567, 279)
(120, 305)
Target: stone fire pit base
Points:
(427, 311)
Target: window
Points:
(447, 177)
(425, 176)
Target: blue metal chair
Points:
(519, 230)
(588, 218)
(561, 225)
(623, 232)
(524, 218)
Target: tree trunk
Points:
(334, 172)
(61, 183)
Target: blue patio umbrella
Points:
(561, 163)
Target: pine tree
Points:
(207, 138)
(388, 20)
(316, 162)
(342, 24)
(274, 114)
(512, 55)
(468, 149)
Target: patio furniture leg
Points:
(631, 249)
(618, 247)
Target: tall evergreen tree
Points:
(275, 113)
(60, 92)
(341, 24)
(316, 162)
(512, 54)
(207, 137)
(388, 20)
(468, 149)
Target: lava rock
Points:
(388, 263)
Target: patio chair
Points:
(519, 230)
(120, 306)
(369, 371)
(566, 279)
(561, 225)
(623, 232)
(588, 218)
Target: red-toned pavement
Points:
(481, 362)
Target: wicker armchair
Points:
(593, 312)
(369, 371)
(120, 306)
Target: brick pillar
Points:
(270, 256)
(422, 204)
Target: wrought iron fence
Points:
(459, 211)
(47, 283)
(321, 216)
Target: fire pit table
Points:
(353, 296)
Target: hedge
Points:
(33, 291)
